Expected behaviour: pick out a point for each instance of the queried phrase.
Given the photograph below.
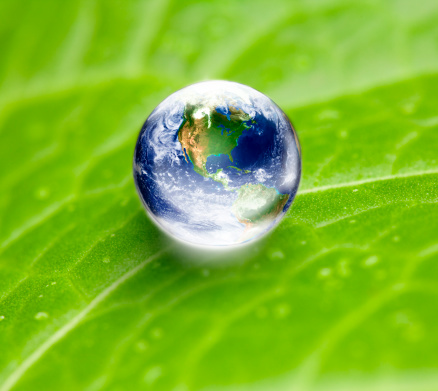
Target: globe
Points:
(217, 164)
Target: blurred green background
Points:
(341, 296)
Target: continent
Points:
(205, 132)
(258, 205)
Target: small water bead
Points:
(217, 164)
(41, 315)
(141, 345)
(157, 333)
(325, 272)
(153, 374)
(371, 261)
(277, 255)
(42, 193)
(282, 310)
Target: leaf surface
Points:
(341, 296)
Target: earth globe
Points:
(217, 163)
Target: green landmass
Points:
(205, 132)
(256, 204)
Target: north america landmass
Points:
(205, 132)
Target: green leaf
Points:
(341, 296)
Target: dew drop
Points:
(2, 317)
(276, 255)
(53, 283)
(325, 272)
(141, 345)
(41, 315)
(328, 114)
(398, 287)
(354, 191)
(245, 218)
(153, 374)
(42, 193)
(157, 333)
(371, 261)
(106, 260)
(282, 310)
(343, 134)
(396, 238)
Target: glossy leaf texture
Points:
(341, 296)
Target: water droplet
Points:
(54, 283)
(303, 242)
(157, 333)
(40, 296)
(112, 235)
(42, 193)
(325, 272)
(282, 310)
(399, 286)
(371, 261)
(245, 218)
(41, 315)
(2, 317)
(354, 191)
(106, 260)
(410, 105)
(153, 374)
(352, 221)
(276, 255)
(328, 114)
(396, 238)
(343, 134)
(141, 345)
